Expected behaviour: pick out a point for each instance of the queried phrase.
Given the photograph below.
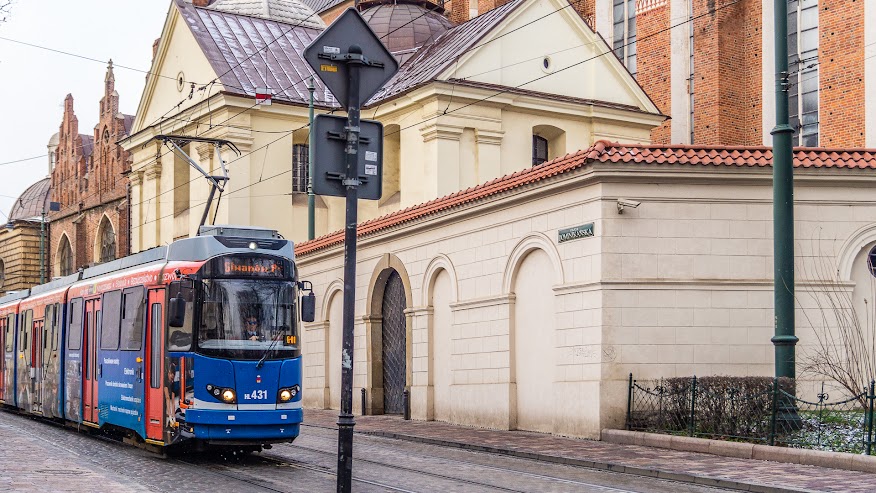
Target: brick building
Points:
(90, 182)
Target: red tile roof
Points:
(607, 153)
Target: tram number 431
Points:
(256, 395)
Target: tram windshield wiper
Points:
(277, 337)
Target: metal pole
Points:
(783, 205)
(351, 181)
(311, 200)
(43, 248)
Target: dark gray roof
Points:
(434, 58)
(32, 202)
(320, 6)
(87, 145)
(129, 122)
(229, 39)
(403, 26)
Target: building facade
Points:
(527, 302)
(456, 115)
(23, 239)
(89, 181)
(710, 64)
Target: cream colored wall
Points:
(178, 52)
(681, 285)
(544, 29)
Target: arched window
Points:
(871, 261)
(65, 257)
(539, 150)
(2, 273)
(106, 241)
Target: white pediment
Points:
(550, 32)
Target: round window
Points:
(546, 64)
(180, 82)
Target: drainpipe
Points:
(311, 200)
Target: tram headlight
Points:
(228, 396)
(287, 394)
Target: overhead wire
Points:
(450, 111)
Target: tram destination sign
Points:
(569, 234)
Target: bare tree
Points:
(844, 348)
(4, 9)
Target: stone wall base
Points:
(740, 450)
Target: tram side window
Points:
(133, 304)
(111, 308)
(26, 322)
(56, 326)
(10, 323)
(180, 338)
(74, 331)
(155, 356)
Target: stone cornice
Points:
(440, 131)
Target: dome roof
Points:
(32, 202)
(405, 25)
(53, 142)
(286, 11)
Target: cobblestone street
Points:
(40, 457)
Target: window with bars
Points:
(803, 70)
(539, 150)
(300, 163)
(624, 34)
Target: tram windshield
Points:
(248, 319)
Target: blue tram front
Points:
(233, 368)
(233, 364)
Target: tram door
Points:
(154, 370)
(89, 361)
(36, 365)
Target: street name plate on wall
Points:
(568, 234)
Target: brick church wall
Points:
(91, 185)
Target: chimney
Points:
(201, 3)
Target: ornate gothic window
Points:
(107, 241)
(65, 257)
(803, 70)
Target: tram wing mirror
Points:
(308, 307)
(176, 316)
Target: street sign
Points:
(330, 51)
(328, 157)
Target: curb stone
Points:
(605, 466)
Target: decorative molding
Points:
(439, 263)
(850, 248)
(441, 131)
(643, 6)
(153, 171)
(529, 243)
(489, 137)
(502, 299)
(135, 178)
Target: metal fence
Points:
(752, 409)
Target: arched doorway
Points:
(394, 344)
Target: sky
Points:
(34, 82)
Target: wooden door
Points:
(154, 369)
(89, 361)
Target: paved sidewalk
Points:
(706, 469)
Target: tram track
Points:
(592, 487)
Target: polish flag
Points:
(263, 96)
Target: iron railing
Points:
(760, 410)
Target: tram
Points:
(196, 342)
